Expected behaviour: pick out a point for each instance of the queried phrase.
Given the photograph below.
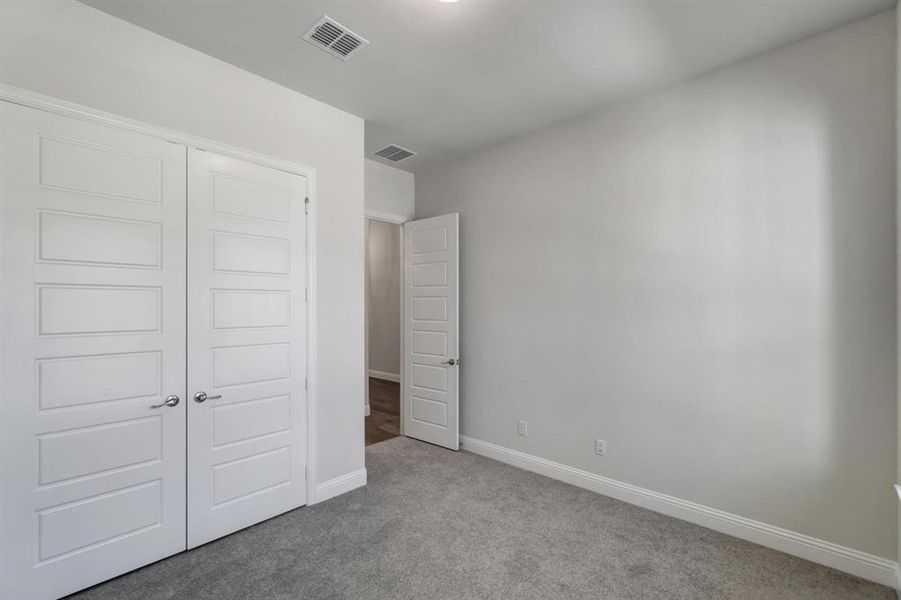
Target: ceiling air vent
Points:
(394, 153)
(334, 38)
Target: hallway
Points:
(383, 422)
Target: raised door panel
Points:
(74, 453)
(128, 512)
(250, 199)
(84, 380)
(248, 309)
(241, 421)
(93, 330)
(75, 164)
(98, 309)
(250, 254)
(250, 364)
(247, 344)
(93, 240)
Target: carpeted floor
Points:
(435, 524)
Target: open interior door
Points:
(431, 394)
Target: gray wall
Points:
(898, 216)
(389, 191)
(384, 297)
(705, 278)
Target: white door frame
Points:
(31, 99)
(377, 215)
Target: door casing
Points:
(375, 215)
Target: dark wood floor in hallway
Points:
(383, 422)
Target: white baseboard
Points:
(384, 375)
(366, 410)
(870, 567)
(338, 485)
(898, 581)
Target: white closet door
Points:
(92, 313)
(431, 331)
(246, 344)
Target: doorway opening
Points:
(384, 293)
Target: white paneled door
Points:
(152, 349)
(92, 308)
(246, 344)
(431, 331)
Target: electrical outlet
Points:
(522, 428)
(600, 447)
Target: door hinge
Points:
(306, 383)
(306, 295)
(306, 472)
(306, 206)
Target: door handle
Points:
(172, 400)
(202, 397)
(452, 362)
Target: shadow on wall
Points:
(863, 320)
(704, 277)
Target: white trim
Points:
(402, 270)
(70, 109)
(378, 215)
(366, 409)
(898, 581)
(874, 568)
(338, 485)
(384, 375)
(312, 354)
(31, 99)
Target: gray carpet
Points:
(436, 524)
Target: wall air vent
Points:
(394, 153)
(334, 38)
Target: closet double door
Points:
(153, 354)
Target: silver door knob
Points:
(172, 400)
(202, 397)
(451, 362)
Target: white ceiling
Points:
(443, 79)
